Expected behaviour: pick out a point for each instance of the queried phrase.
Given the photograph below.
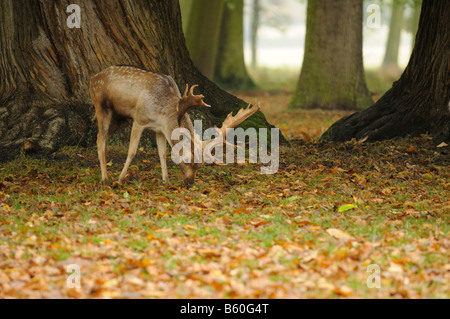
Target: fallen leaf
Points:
(304, 222)
(345, 208)
(395, 268)
(411, 150)
(306, 136)
(241, 211)
(343, 291)
(339, 234)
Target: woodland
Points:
(357, 205)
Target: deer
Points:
(153, 102)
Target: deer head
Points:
(186, 103)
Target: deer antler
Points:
(233, 121)
(188, 102)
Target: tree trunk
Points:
(332, 75)
(418, 102)
(256, 10)
(390, 60)
(186, 9)
(45, 66)
(231, 72)
(203, 34)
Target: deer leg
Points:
(136, 133)
(104, 122)
(161, 144)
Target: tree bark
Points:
(45, 66)
(390, 60)
(203, 34)
(332, 75)
(419, 101)
(230, 72)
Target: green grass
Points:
(284, 79)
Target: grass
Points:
(284, 79)
(236, 233)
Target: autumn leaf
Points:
(306, 136)
(339, 234)
(343, 291)
(395, 268)
(347, 207)
(241, 210)
(304, 222)
(313, 229)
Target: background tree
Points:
(203, 34)
(256, 10)
(332, 75)
(45, 67)
(419, 101)
(271, 13)
(230, 70)
(416, 6)
(186, 7)
(390, 61)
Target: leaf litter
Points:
(309, 231)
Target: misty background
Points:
(281, 36)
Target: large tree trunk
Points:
(332, 75)
(45, 67)
(203, 34)
(230, 72)
(418, 102)
(390, 60)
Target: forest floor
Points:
(332, 220)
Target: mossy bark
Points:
(203, 34)
(230, 71)
(45, 67)
(390, 60)
(418, 102)
(332, 75)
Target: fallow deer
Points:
(153, 102)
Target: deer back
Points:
(131, 92)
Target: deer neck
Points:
(173, 124)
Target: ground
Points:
(312, 230)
